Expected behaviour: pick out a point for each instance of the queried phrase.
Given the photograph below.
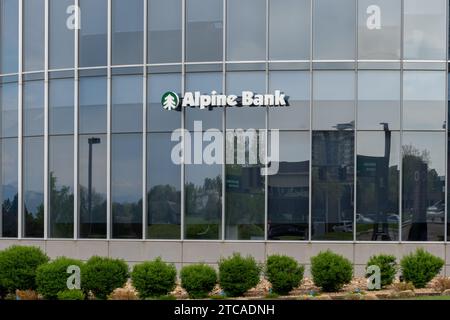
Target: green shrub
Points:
(18, 266)
(420, 267)
(51, 277)
(238, 274)
(71, 295)
(284, 273)
(331, 271)
(154, 278)
(198, 280)
(102, 276)
(387, 265)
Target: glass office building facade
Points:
(85, 144)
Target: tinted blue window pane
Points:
(9, 36)
(126, 186)
(164, 35)
(9, 191)
(61, 38)
(127, 102)
(163, 188)
(127, 31)
(33, 108)
(92, 155)
(92, 105)
(332, 185)
(33, 35)
(93, 33)
(8, 109)
(61, 187)
(33, 187)
(61, 106)
(246, 30)
(288, 189)
(204, 30)
(159, 119)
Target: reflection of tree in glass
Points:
(93, 224)
(34, 222)
(204, 207)
(61, 209)
(163, 212)
(9, 221)
(422, 187)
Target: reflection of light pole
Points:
(91, 141)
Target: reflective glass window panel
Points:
(246, 117)
(164, 35)
(163, 188)
(127, 102)
(33, 187)
(332, 185)
(377, 214)
(244, 185)
(33, 35)
(424, 100)
(93, 40)
(378, 100)
(33, 108)
(288, 189)
(61, 106)
(61, 187)
(289, 29)
(8, 108)
(204, 30)
(126, 186)
(334, 29)
(423, 200)
(246, 30)
(92, 105)
(333, 105)
(9, 36)
(205, 83)
(425, 25)
(92, 185)
(203, 190)
(379, 22)
(128, 31)
(159, 119)
(61, 37)
(9, 188)
(296, 85)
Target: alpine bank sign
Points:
(171, 100)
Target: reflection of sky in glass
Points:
(126, 180)
(372, 144)
(61, 160)
(9, 163)
(433, 143)
(92, 104)
(98, 163)
(9, 11)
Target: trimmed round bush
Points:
(102, 276)
(71, 295)
(198, 280)
(51, 277)
(154, 278)
(387, 265)
(18, 265)
(331, 271)
(284, 273)
(420, 267)
(238, 274)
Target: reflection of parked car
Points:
(394, 219)
(345, 226)
(362, 219)
(436, 212)
(282, 230)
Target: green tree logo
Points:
(170, 100)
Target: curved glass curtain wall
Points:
(362, 144)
